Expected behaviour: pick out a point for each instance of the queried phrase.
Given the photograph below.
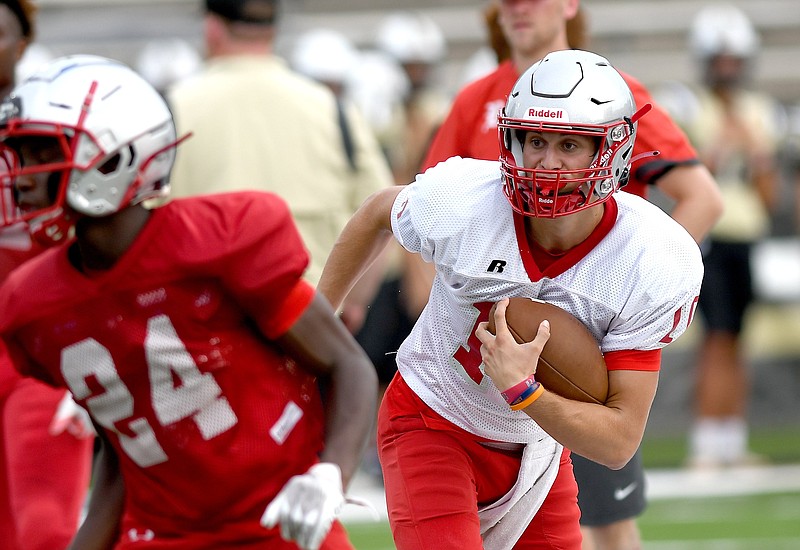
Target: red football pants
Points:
(437, 475)
(44, 478)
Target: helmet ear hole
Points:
(110, 165)
(114, 162)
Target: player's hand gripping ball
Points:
(571, 363)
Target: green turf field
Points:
(752, 522)
(741, 522)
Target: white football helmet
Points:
(115, 132)
(723, 29)
(325, 55)
(569, 92)
(411, 37)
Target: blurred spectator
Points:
(417, 43)
(791, 153)
(45, 441)
(379, 87)
(328, 57)
(258, 125)
(735, 130)
(166, 61)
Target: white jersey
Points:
(635, 289)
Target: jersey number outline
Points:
(470, 357)
(198, 396)
(676, 320)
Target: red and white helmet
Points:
(569, 92)
(114, 129)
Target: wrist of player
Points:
(523, 393)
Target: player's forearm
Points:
(593, 431)
(353, 405)
(607, 434)
(100, 529)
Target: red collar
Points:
(556, 264)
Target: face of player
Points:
(34, 189)
(558, 152)
(535, 27)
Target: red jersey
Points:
(16, 246)
(170, 352)
(470, 129)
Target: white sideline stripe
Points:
(664, 484)
(661, 484)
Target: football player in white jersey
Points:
(468, 440)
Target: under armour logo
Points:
(496, 266)
(134, 535)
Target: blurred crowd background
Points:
(350, 45)
(644, 38)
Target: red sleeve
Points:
(297, 300)
(648, 360)
(656, 132)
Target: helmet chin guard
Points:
(568, 92)
(114, 131)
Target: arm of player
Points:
(360, 243)
(608, 434)
(698, 202)
(100, 528)
(308, 504)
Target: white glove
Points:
(307, 506)
(72, 418)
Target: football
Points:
(571, 363)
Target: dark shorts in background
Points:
(605, 495)
(727, 288)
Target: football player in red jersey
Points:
(527, 30)
(186, 331)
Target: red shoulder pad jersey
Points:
(170, 352)
(470, 129)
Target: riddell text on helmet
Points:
(545, 113)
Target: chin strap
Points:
(52, 230)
